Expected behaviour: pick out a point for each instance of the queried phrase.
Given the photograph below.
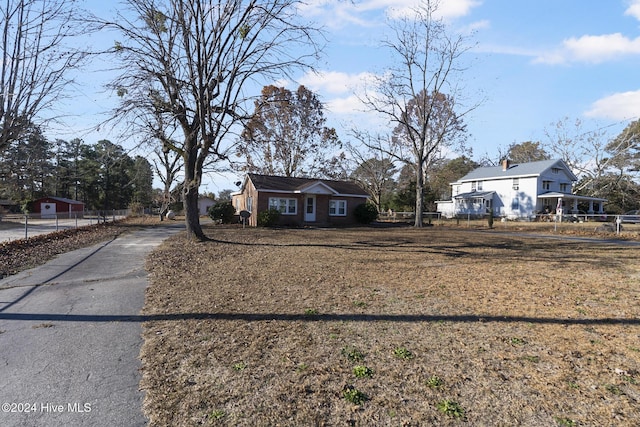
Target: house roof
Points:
(61, 199)
(285, 184)
(556, 195)
(517, 170)
(475, 195)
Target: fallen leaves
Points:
(19, 255)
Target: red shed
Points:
(49, 207)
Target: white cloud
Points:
(340, 13)
(634, 9)
(457, 8)
(619, 106)
(592, 49)
(446, 9)
(334, 82)
(341, 93)
(346, 105)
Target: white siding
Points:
(507, 202)
(533, 180)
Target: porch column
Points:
(590, 211)
(575, 206)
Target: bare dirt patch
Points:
(397, 326)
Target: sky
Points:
(531, 64)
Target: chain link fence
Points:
(23, 226)
(582, 223)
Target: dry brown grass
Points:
(255, 328)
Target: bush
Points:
(223, 212)
(176, 207)
(136, 209)
(366, 213)
(268, 218)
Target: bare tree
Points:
(527, 151)
(625, 149)
(195, 63)
(36, 62)
(583, 151)
(372, 169)
(167, 164)
(419, 97)
(287, 135)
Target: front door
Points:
(310, 208)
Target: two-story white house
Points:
(517, 191)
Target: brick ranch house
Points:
(301, 201)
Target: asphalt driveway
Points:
(70, 336)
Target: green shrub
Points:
(176, 207)
(366, 213)
(402, 353)
(268, 218)
(353, 354)
(353, 395)
(451, 408)
(362, 371)
(223, 212)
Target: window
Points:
(337, 207)
(564, 188)
(285, 206)
(479, 185)
(473, 185)
(250, 204)
(546, 185)
(555, 170)
(516, 183)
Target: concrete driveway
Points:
(70, 336)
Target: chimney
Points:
(505, 164)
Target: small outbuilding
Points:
(52, 207)
(204, 204)
(7, 205)
(301, 201)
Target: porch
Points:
(475, 203)
(561, 205)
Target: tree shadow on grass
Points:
(493, 248)
(267, 317)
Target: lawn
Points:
(391, 327)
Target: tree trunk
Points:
(419, 193)
(191, 213)
(190, 191)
